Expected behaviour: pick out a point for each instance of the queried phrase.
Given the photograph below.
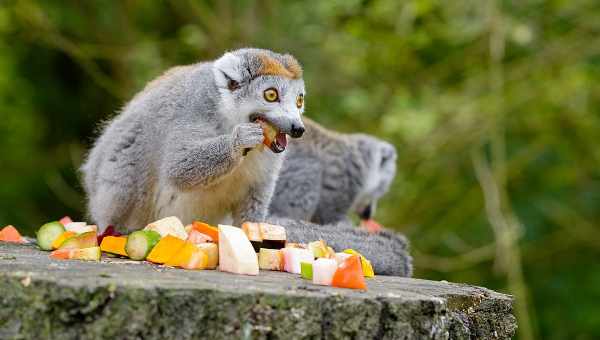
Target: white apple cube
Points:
(323, 270)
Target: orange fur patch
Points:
(273, 67)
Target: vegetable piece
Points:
(114, 245)
(62, 238)
(48, 233)
(65, 220)
(168, 226)
(165, 249)
(349, 274)
(11, 234)
(306, 270)
(292, 258)
(85, 254)
(206, 229)
(323, 270)
(109, 231)
(85, 240)
(197, 237)
(189, 257)
(270, 259)
(367, 268)
(140, 243)
(212, 252)
(320, 249)
(79, 227)
(236, 254)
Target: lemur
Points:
(187, 145)
(327, 174)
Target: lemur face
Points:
(262, 85)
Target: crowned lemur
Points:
(187, 145)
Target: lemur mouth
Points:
(274, 139)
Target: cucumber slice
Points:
(48, 233)
(140, 243)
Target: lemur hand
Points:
(247, 136)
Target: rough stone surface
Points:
(41, 298)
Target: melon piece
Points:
(109, 231)
(168, 226)
(189, 257)
(114, 245)
(79, 227)
(236, 254)
(349, 274)
(85, 254)
(323, 270)
(197, 237)
(306, 270)
(212, 252)
(48, 233)
(62, 238)
(165, 249)
(207, 229)
(292, 258)
(65, 220)
(270, 259)
(367, 268)
(11, 234)
(85, 240)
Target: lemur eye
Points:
(299, 100)
(271, 95)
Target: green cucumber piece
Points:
(140, 243)
(306, 270)
(48, 233)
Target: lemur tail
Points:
(387, 251)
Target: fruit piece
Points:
(197, 237)
(367, 268)
(296, 245)
(236, 254)
(114, 245)
(349, 274)
(48, 233)
(206, 229)
(269, 132)
(264, 235)
(341, 257)
(62, 238)
(212, 252)
(79, 227)
(85, 240)
(189, 257)
(371, 226)
(11, 234)
(168, 226)
(65, 220)
(306, 270)
(252, 231)
(270, 259)
(85, 254)
(140, 243)
(292, 258)
(109, 231)
(165, 249)
(323, 270)
(319, 249)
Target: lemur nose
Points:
(297, 131)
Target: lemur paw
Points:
(247, 135)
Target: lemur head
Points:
(380, 168)
(258, 84)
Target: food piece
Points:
(168, 226)
(306, 270)
(85, 254)
(320, 249)
(109, 231)
(165, 249)
(367, 268)
(62, 238)
(140, 243)
(197, 237)
(269, 132)
(85, 240)
(323, 270)
(371, 226)
(341, 257)
(270, 259)
(11, 234)
(252, 231)
(296, 245)
(264, 235)
(349, 274)
(79, 227)
(189, 257)
(206, 229)
(331, 253)
(65, 220)
(292, 258)
(236, 254)
(114, 245)
(48, 233)
(212, 252)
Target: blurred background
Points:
(493, 106)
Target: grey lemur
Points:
(179, 147)
(327, 174)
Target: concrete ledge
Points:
(42, 298)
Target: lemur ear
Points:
(228, 71)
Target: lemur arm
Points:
(387, 251)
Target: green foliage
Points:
(493, 107)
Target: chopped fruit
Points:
(168, 226)
(367, 268)
(114, 245)
(197, 237)
(189, 257)
(349, 274)
(212, 252)
(165, 249)
(235, 252)
(62, 238)
(320, 249)
(341, 257)
(270, 259)
(11, 234)
(371, 226)
(65, 220)
(85, 240)
(292, 258)
(306, 270)
(109, 231)
(323, 270)
(48, 233)
(252, 231)
(206, 229)
(264, 235)
(140, 243)
(85, 254)
(79, 227)
(269, 132)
